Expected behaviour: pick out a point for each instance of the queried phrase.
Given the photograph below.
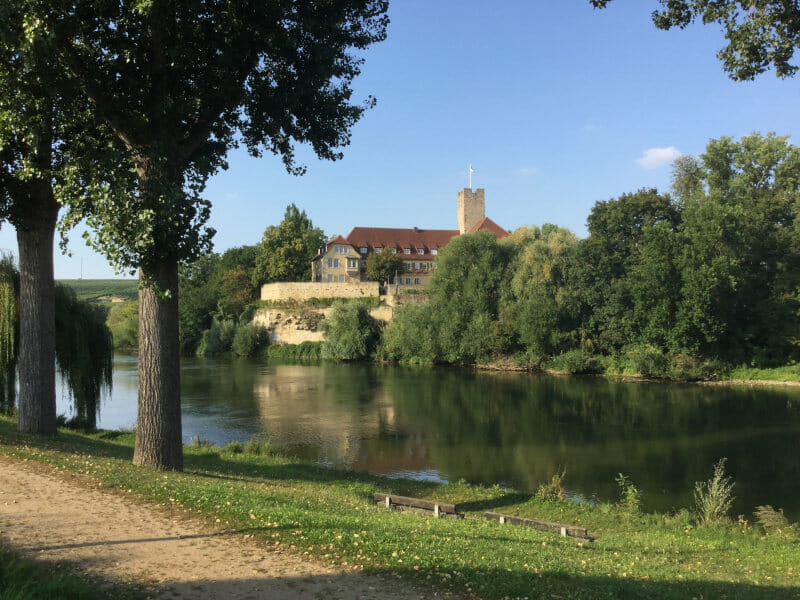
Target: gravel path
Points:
(63, 518)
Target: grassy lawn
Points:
(330, 515)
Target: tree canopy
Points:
(382, 266)
(286, 249)
(761, 33)
(180, 83)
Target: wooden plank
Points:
(563, 530)
(438, 508)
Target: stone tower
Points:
(471, 208)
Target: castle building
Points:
(343, 259)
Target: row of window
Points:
(365, 250)
(353, 263)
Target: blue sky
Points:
(554, 104)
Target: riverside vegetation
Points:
(330, 515)
(699, 284)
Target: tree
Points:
(350, 332)
(48, 143)
(179, 83)
(286, 251)
(382, 266)
(760, 33)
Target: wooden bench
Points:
(564, 530)
(437, 509)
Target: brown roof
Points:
(486, 224)
(385, 237)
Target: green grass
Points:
(22, 579)
(95, 289)
(330, 514)
(785, 374)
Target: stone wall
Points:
(304, 290)
(295, 326)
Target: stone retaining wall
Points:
(304, 290)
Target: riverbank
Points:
(329, 517)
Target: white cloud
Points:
(527, 171)
(657, 157)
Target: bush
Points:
(249, 339)
(235, 447)
(647, 361)
(713, 498)
(218, 339)
(574, 362)
(256, 447)
(351, 333)
(692, 368)
(123, 321)
(410, 336)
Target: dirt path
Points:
(52, 516)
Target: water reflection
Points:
(495, 428)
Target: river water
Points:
(512, 429)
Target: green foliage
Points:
(383, 266)
(234, 447)
(465, 296)
(84, 352)
(94, 290)
(647, 361)
(574, 362)
(302, 350)
(123, 321)
(9, 332)
(256, 447)
(350, 332)
(411, 335)
(761, 35)
(553, 489)
(286, 250)
(713, 498)
(217, 339)
(630, 495)
(250, 339)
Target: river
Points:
(512, 429)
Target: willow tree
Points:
(43, 123)
(180, 82)
(9, 285)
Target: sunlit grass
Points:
(330, 515)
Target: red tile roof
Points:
(486, 224)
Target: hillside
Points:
(103, 290)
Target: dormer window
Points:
(363, 250)
(377, 250)
(394, 250)
(406, 250)
(434, 251)
(420, 250)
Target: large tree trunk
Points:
(159, 442)
(37, 345)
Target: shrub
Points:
(574, 362)
(692, 368)
(713, 498)
(553, 489)
(199, 442)
(235, 447)
(647, 361)
(351, 333)
(218, 338)
(249, 339)
(123, 321)
(410, 336)
(630, 495)
(256, 447)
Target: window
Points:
(377, 250)
(409, 266)
(341, 278)
(416, 266)
(330, 277)
(394, 250)
(420, 250)
(406, 250)
(408, 280)
(340, 249)
(333, 263)
(416, 280)
(434, 251)
(352, 263)
(363, 250)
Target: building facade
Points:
(344, 259)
